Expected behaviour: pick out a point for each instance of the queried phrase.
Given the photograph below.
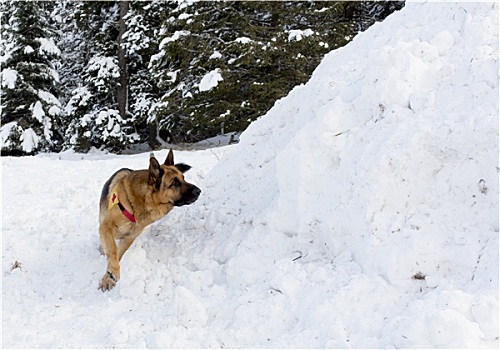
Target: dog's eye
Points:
(175, 183)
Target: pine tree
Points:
(140, 43)
(176, 71)
(250, 53)
(74, 45)
(93, 108)
(29, 81)
(364, 13)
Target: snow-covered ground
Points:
(361, 211)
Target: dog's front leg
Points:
(112, 274)
(124, 244)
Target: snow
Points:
(29, 140)
(210, 80)
(217, 141)
(215, 55)
(48, 46)
(106, 68)
(81, 97)
(298, 34)
(38, 112)
(5, 132)
(176, 36)
(28, 49)
(9, 78)
(243, 40)
(48, 98)
(54, 74)
(184, 16)
(173, 75)
(360, 212)
(113, 120)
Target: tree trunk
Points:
(122, 93)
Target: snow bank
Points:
(360, 212)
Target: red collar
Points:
(126, 212)
(113, 200)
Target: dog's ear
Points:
(154, 171)
(182, 167)
(170, 158)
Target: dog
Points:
(133, 199)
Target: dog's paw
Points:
(108, 282)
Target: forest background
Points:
(113, 75)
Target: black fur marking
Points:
(182, 167)
(105, 189)
(112, 276)
(159, 179)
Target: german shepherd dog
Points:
(133, 199)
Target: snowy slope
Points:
(361, 211)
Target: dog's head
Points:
(168, 184)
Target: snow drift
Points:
(361, 211)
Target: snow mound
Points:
(360, 212)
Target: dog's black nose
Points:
(196, 191)
(188, 197)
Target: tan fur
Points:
(148, 195)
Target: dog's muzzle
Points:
(189, 197)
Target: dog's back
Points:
(103, 203)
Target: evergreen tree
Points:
(29, 81)
(221, 65)
(74, 46)
(155, 71)
(93, 107)
(364, 13)
(140, 43)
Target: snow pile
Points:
(360, 212)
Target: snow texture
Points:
(360, 212)
(28, 49)
(215, 55)
(298, 34)
(5, 131)
(38, 112)
(9, 78)
(81, 97)
(210, 80)
(176, 36)
(106, 67)
(29, 140)
(243, 40)
(48, 46)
